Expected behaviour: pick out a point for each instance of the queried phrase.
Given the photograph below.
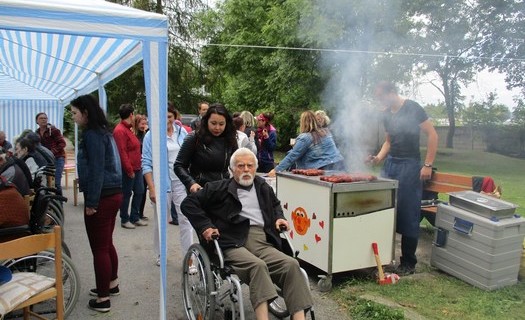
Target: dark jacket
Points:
(98, 165)
(53, 140)
(265, 147)
(201, 163)
(218, 206)
(19, 174)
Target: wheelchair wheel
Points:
(198, 286)
(56, 207)
(50, 221)
(43, 263)
(277, 307)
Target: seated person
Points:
(43, 156)
(24, 149)
(17, 172)
(246, 215)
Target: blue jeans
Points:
(131, 186)
(59, 168)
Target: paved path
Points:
(139, 276)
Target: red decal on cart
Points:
(321, 223)
(291, 234)
(314, 216)
(300, 219)
(285, 206)
(317, 238)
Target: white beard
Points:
(246, 182)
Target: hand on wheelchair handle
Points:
(281, 225)
(210, 234)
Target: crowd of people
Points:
(212, 186)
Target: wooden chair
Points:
(27, 246)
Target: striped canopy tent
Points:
(52, 51)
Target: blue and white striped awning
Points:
(52, 51)
(57, 50)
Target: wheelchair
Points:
(210, 287)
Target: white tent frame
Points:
(145, 37)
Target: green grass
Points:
(433, 294)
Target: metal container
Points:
(333, 225)
(483, 205)
(477, 250)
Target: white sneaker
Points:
(128, 225)
(158, 262)
(140, 223)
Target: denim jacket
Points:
(98, 165)
(147, 160)
(307, 155)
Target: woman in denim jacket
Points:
(314, 148)
(100, 179)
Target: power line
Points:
(360, 51)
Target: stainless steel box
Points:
(483, 205)
(477, 250)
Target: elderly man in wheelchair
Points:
(246, 217)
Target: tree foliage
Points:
(486, 112)
(451, 30)
(253, 78)
(503, 39)
(259, 55)
(288, 74)
(184, 73)
(518, 115)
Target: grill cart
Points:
(334, 224)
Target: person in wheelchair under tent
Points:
(245, 214)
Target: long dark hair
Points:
(87, 104)
(230, 133)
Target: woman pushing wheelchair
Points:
(247, 215)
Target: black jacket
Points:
(218, 206)
(200, 163)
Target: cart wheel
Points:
(325, 283)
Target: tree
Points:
(254, 78)
(437, 113)
(287, 81)
(485, 113)
(185, 76)
(518, 115)
(449, 29)
(502, 42)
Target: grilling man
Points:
(404, 120)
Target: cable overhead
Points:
(393, 53)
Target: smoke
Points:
(364, 27)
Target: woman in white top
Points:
(243, 140)
(177, 192)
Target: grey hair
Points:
(242, 152)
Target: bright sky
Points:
(478, 90)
